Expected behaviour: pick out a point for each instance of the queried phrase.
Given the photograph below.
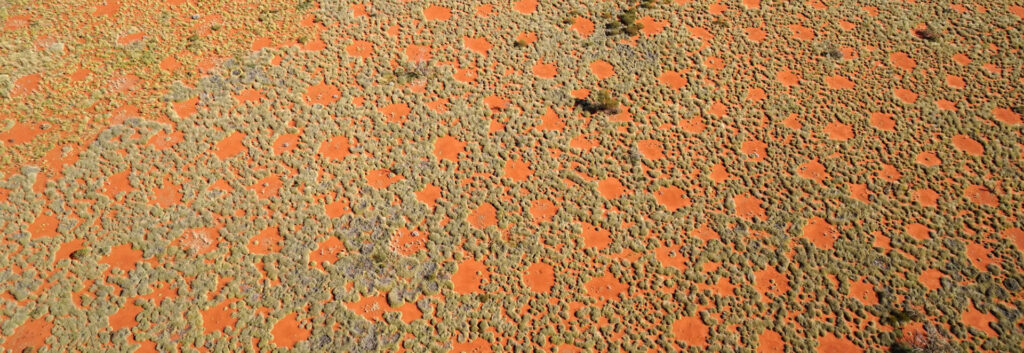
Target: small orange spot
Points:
(673, 198)
(287, 331)
(1006, 116)
(839, 131)
(539, 277)
(230, 146)
(927, 197)
(981, 195)
(651, 26)
(125, 317)
(883, 121)
(813, 170)
(484, 216)
(130, 38)
(606, 286)
(449, 148)
(788, 78)
(526, 6)
(905, 95)
(25, 85)
(45, 225)
(749, 207)
(323, 94)
(543, 210)
(756, 34)
(437, 13)
(219, 317)
(32, 334)
(919, 231)
(429, 195)
(469, 276)
(602, 69)
(595, 237)
(770, 342)
(266, 242)
(929, 159)
(418, 53)
(673, 79)
(336, 148)
(956, 82)
(583, 26)
(479, 45)
(902, 60)
(360, 48)
(692, 330)
(543, 70)
(518, 170)
(830, 343)
(123, 257)
(839, 82)
(931, 278)
(551, 121)
(382, 178)
(968, 145)
(820, 233)
(802, 32)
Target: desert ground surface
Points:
(511, 176)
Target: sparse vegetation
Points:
(410, 182)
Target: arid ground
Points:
(831, 176)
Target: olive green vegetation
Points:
(667, 270)
(602, 102)
(624, 23)
(927, 34)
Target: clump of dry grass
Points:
(928, 341)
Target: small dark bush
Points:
(623, 23)
(79, 254)
(603, 102)
(927, 34)
(833, 54)
(897, 317)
